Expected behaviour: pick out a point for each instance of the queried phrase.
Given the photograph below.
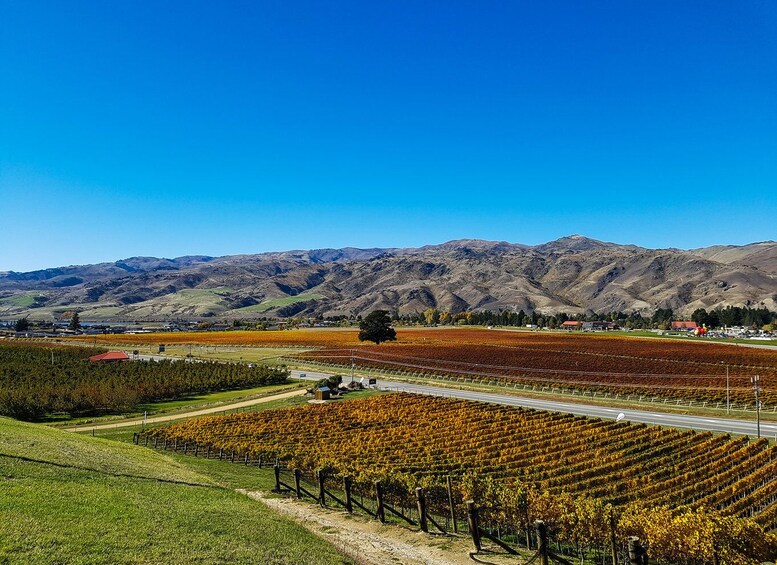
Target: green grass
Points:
(263, 355)
(74, 499)
(125, 434)
(233, 476)
(25, 300)
(38, 442)
(172, 406)
(281, 302)
(186, 404)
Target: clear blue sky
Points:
(173, 128)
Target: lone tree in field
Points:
(377, 327)
(75, 323)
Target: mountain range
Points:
(573, 274)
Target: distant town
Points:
(730, 322)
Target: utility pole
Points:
(756, 380)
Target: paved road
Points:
(192, 414)
(747, 427)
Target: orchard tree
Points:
(431, 316)
(377, 327)
(75, 322)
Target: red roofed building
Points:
(684, 325)
(571, 325)
(110, 356)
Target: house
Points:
(110, 356)
(571, 325)
(685, 325)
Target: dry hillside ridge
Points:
(574, 274)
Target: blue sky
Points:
(174, 128)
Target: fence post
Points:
(221, 453)
(146, 441)
(321, 491)
(542, 541)
(175, 444)
(156, 440)
(135, 438)
(421, 500)
(207, 452)
(473, 525)
(347, 488)
(637, 553)
(297, 488)
(277, 469)
(196, 449)
(380, 513)
(452, 507)
(245, 461)
(231, 455)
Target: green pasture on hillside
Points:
(73, 499)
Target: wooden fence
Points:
(440, 514)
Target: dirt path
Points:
(182, 415)
(370, 542)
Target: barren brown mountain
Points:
(573, 274)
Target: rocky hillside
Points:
(572, 274)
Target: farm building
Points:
(323, 393)
(571, 325)
(110, 356)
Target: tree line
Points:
(755, 318)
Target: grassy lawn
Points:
(263, 355)
(232, 476)
(170, 407)
(125, 434)
(74, 499)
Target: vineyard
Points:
(660, 368)
(36, 381)
(612, 373)
(521, 464)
